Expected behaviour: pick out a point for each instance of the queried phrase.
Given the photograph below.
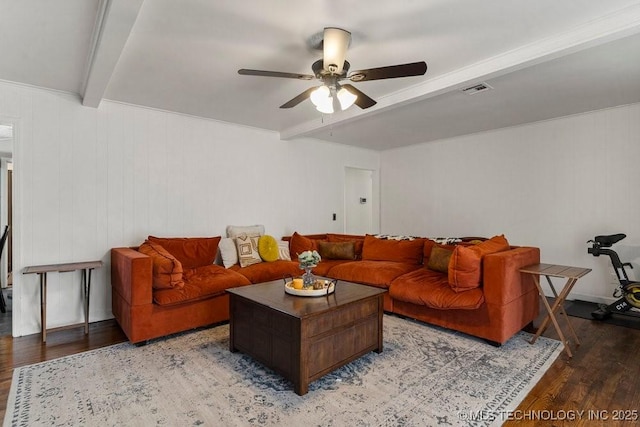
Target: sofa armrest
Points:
(502, 280)
(132, 276)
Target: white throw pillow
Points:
(248, 250)
(249, 230)
(283, 251)
(228, 252)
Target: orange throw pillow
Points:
(192, 252)
(167, 270)
(300, 243)
(465, 266)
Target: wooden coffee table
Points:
(304, 338)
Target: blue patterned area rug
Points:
(425, 376)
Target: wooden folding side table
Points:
(41, 270)
(572, 274)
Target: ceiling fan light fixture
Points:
(327, 108)
(328, 100)
(335, 44)
(346, 98)
(321, 98)
(320, 95)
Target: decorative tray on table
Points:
(328, 287)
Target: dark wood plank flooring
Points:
(602, 375)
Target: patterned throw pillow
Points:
(394, 237)
(446, 240)
(248, 250)
(283, 251)
(268, 248)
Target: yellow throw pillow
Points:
(268, 248)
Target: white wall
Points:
(553, 184)
(91, 179)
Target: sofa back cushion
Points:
(465, 266)
(407, 251)
(192, 252)
(337, 250)
(167, 270)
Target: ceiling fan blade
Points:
(246, 72)
(390, 72)
(363, 101)
(298, 99)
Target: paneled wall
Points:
(553, 184)
(91, 179)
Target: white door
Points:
(358, 202)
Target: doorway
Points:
(358, 201)
(6, 208)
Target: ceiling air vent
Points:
(477, 88)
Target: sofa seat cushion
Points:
(431, 288)
(200, 283)
(268, 271)
(375, 273)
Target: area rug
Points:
(425, 376)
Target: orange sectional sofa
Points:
(171, 285)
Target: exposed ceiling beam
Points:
(114, 22)
(609, 28)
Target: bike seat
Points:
(606, 241)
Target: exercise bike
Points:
(627, 292)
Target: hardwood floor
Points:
(600, 379)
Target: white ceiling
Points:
(544, 59)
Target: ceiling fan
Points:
(332, 68)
